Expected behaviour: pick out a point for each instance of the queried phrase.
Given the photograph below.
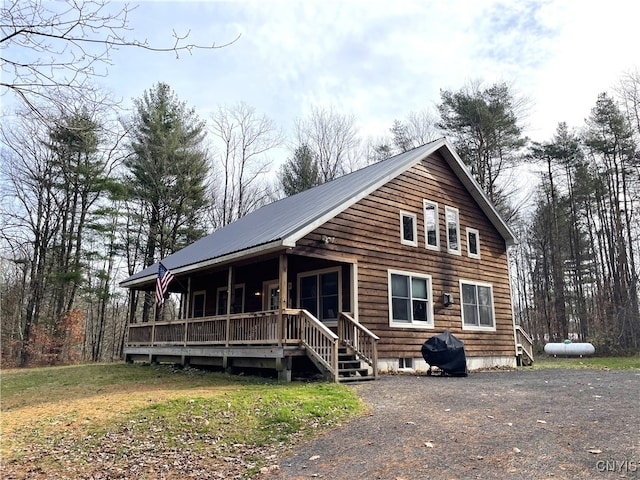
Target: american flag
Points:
(162, 283)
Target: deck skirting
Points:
(276, 358)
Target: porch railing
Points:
(299, 327)
(236, 329)
(360, 339)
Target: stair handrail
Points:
(527, 345)
(320, 343)
(363, 341)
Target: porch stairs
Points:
(350, 367)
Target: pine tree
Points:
(167, 172)
(484, 124)
(300, 172)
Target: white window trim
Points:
(413, 324)
(316, 273)
(406, 364)
(204, 303)
(414, 217)
(448, 209)
(477, 233)
(493, 307)
(426, 238)
(235, 286)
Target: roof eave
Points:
(247, 253)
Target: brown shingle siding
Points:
(370, 230)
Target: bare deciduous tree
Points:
(49, 47)
(55, 177)
(333, 139)
(243, 141)
(418, 128)
(628, 91)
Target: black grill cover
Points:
(447, 353)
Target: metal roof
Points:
(280, 224)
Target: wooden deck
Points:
(266, 339)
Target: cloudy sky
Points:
(380, 59)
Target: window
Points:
(431, 227)
(405, 364)
(477, 306)
(408, 229)
(453, 230)
(237, 302)
(410, 302)
(319, 293)
(473, 243)
(199, 298)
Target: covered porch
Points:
(236, 316)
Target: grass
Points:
(131, 419)
(601, 363)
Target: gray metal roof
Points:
(280, 224)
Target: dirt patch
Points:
(555, 424)
(95, 410)
(64, 424)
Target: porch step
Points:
(350, 368)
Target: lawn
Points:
(602, 363)
(124, 421)
(142, 421)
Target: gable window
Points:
(199, 303)
(319, 293)
(408, 229)
(453, 230)
(431, 227)
(237, 302)
(410, 302)
(477, 306)
(473, 243)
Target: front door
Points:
(271, 296)
(319, 293)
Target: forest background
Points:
(92, 193)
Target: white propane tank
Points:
(569, 348)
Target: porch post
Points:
(187, 304)
(282, 277)
(185, 314)
(354, 291)
(133, 300)
(229, 302)
(131, 314)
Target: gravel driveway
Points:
(523, 424)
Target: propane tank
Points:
(569, 348)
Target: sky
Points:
(380, 60)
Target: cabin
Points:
(347, 279)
